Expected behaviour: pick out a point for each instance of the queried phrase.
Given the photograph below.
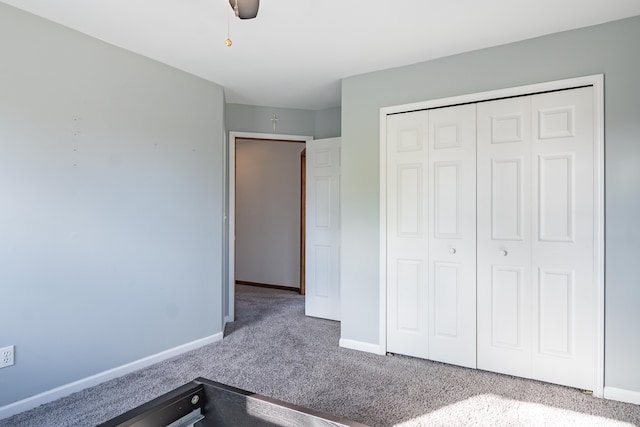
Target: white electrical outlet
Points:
(6, 356)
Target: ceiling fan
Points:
(245, 9)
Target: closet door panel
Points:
(563, 245)
(504, 236)
(506, 307)
(506, 198)
(452, 235)
(447, 183)
(407, 234)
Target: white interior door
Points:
(431, 234)
(452, 235)
(534, 307)
(564, 285)
(323, 229)
(504, 236)
(536, 259)
(407, 234)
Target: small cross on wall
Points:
(274, 120)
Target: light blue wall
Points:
(252, 118)
(111, 190)
(611, 49)
(328, 123)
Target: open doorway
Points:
(268, 201)
(247, 272)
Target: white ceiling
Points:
(295, 52)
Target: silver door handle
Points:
(503, 252)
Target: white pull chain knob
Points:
(503, 252)
(452, 251)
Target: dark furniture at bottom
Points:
(204, 403)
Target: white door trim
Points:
(597, 83)
(230, 317)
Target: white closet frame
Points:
(596, 82)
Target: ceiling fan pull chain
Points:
(228, 41)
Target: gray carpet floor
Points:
(273, 349)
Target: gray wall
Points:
(111, 184)
(611, 49)
(252, 118)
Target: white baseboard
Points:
(622, 395)
(361, 346)
(67, 389)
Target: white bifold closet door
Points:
(431, 235)
(536, 283)
(407, 234)
(504, 236)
